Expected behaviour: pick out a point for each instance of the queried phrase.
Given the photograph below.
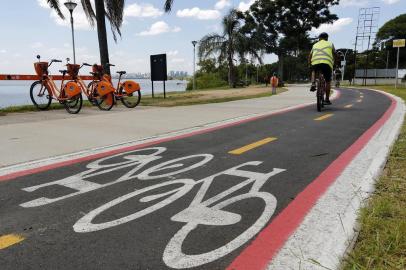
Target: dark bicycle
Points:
(320, 90)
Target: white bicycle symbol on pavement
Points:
(201, 211)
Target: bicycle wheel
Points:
(319, 96)
(104, 103)
(130, 100)
(74, 104)
(40, 95)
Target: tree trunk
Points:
(280, 68)
(231, 82)
(102, 34)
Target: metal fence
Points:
(379, 73)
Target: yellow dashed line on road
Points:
(9, 240)
(348, 106)
(251, 146)
(323, 117)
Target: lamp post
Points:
(71, 6)
(194, 42)
(344, 63)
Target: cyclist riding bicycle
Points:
(321, 59)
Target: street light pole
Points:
(71, 6)
(194, 42)
(344, 63)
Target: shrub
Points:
(206, 80)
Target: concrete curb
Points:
(328, 230)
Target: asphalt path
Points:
(193, 202)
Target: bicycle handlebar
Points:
(86, 64)
(110, 65)
(54, 61)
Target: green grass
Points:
(381, 243)
(197, 97)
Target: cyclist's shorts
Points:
(325, 69)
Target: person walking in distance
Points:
(274, 83)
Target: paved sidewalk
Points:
(36, 135)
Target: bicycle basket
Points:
(73, 70)
(41, 68)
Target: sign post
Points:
(398, 43)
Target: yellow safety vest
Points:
(322, 53)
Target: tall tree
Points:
(114, 11)
(284, 24)
(232, 42)
(393, 29)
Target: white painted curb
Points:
(328, 229)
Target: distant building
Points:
(177, 74)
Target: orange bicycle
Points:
(101, 95)
(129, 92)
(42, 92)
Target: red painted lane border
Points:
(134, 147)
(268, 242)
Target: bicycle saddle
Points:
(121, 72)
(63, 71)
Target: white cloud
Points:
(364, 3)
(37, 45)
(159, 28)
(221, 4)
(79, 16)
(358, 3)
(142, 11)
(201, 14)
(334, 27)
(177, 60)
(390, 2)
(3, 51)
(172, 53)
(244, 6)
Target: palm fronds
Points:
(54, 4)
(168, 5)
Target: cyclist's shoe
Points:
(313, 87)
(327, 102)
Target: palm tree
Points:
(114, 11)
(230, 43)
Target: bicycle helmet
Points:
(324, 36)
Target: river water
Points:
(14, 93)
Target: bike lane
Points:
(140, 210)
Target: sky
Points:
(29, 28)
